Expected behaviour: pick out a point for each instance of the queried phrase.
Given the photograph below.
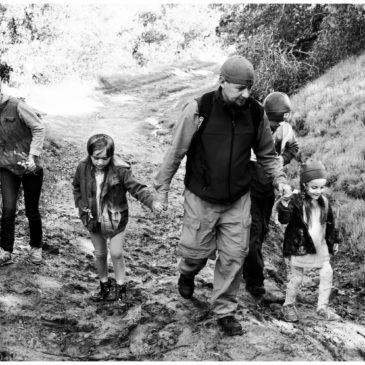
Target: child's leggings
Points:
(325, 284)
(116, 253)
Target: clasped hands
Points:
(159, 204)
(285, 192)
(28, 162)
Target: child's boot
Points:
(117, 293)
(103, 293)
(5, 257)
(290, 313)
(328, 314)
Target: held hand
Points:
(158, 207)
(30, 164)
(88, 211)
(335, 248)
(281, 159)
(285, 190)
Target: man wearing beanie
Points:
(216, 132)
(277, 106)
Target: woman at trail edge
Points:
(22, 136)
(310, 238)
(100, 185)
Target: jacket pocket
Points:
(197, 239)
(87, 220)
(115, 216)
(299, 244)
(9, 119)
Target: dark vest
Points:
(15, 137)
(217, 160)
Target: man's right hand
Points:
(158, 206)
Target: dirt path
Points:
(45, 313)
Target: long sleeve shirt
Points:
(185, 129)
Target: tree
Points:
(290, 44)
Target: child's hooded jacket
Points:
(118, 180)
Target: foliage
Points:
(5, 71)
(290, 44)
(167, 33)
(47, 43)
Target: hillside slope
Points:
(329, 118)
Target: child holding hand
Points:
(100, 185)
(310, 238)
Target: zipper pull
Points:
(233, 123)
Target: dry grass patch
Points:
(329, 118)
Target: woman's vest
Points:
(217, 160)
(15, 137)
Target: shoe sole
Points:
(34, 262)
(10, 262)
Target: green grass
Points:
(329, 119)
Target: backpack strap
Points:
(257, 112)
(3, 105)
(205, 104)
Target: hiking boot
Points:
(186, 286)
(328, 314)
(103, 293)
(5, 257)
(290, 313)
(117, 292)
(230, 326)
(256, 290)
(35, 255)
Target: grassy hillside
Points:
(329, 118)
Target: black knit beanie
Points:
(238, 70)
(312, 170)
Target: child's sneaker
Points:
(35, 255)
(328, 314)
(5, 257)
(290, 313)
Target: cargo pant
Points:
(209, 229)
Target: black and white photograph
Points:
(182, 181)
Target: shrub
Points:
(291, 44)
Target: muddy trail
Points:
(46, 313)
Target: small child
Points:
(310, 238)
(277, 107)
(99, 187)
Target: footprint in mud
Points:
(76, 287)
(6, 355)
(156, 312)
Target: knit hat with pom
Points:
(238, 70)
(312, 170)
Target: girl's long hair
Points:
(307, 203)
(99, 142)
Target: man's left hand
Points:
(285, 190)
(335, 248)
